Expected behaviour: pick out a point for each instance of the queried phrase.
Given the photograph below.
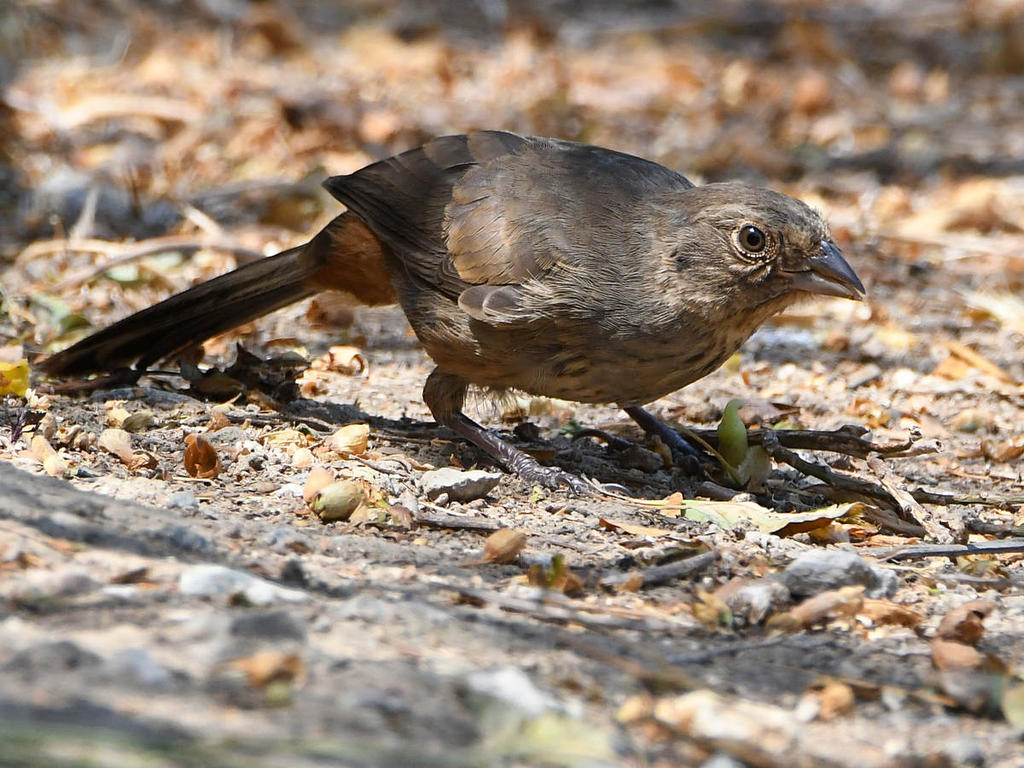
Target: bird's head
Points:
(752, 249)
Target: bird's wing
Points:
(476, 217)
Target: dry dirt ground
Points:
(156, 616)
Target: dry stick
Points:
(846, 483)
(908, 505)
(662, 574)
(848, 440)
(457, 523)
(1003, 547)
(820, 471)
(558, 614)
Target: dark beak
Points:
(828, 274)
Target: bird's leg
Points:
(445, 394)
(686, 452)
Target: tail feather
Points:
(194, 315)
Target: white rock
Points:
(218, 581)
(460, 485)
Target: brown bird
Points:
(540, 265)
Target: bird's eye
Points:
(751, 239)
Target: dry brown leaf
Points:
(1003, 450)
(835, 699)
(949, 654)
(346, 360)
(287, 438)
(201, 459)
(633, 583)
(55, 466)
(964, 623)
(350, 440)
(888, 612)
(710, 610)
(978, 360)
(845, 601)
(116, 413)
(952, 368)
(270, 666)
(117, 442)
(504, 545)
(318, 478)
(41, 448)
(218, 420)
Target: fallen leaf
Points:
(55, 466)
(964, 623)
(41, 448)
(888, 612)
(117, 442)
(1003, 450)
(201, 459)
(728, 514)
(845, 601)
(835, 699)
(269, 666)
(14, 378)
(284, 438)
(711, 611)
(346, 360)
(115, 414)
(978, 360)
(504, 546)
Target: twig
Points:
(847, 439)
(982, 499)
(545, 610)
(908, 505)
(662, 574)
(915, 551)
(824, 473)
(456, 522)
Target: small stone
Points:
(218, 581)
(510, 686)
(227, 437)
(184, 538)
(185, 500)
(53, 585)
(269, 625)
(964, 752)
(460, 485)
(284, 541)
(820, 570)
(136, 666)
(721, 760)
(751, 604)
(51, 658)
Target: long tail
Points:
(227, 301)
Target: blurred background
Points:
(120, 120)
